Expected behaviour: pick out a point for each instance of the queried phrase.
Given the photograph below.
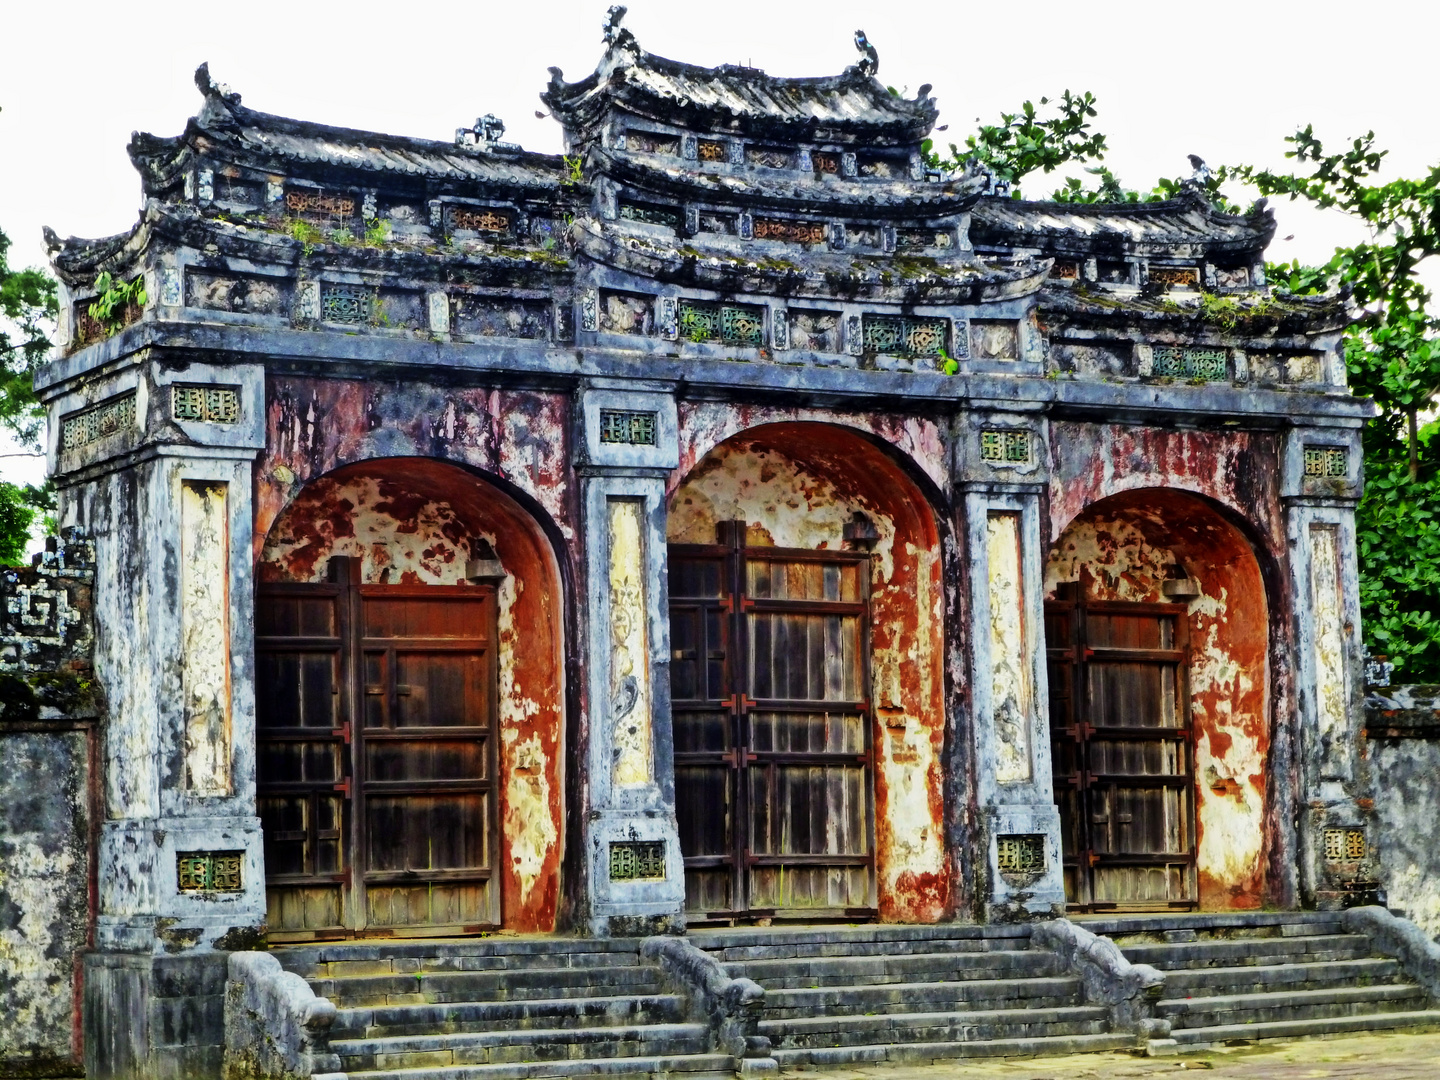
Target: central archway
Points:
(807, 614)
(409, 706)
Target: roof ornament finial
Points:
(871, 62)
(211, 89)
(1201, 171)
(611, 26)
(485, 135)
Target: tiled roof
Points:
(847, 107)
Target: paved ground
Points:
(1359, 1057)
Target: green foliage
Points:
(28, 310)
(111, 307)
(1393, 356)
(574, 174)
(377, 233)
(307, 235)
(18, 507)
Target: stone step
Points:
(518, 985)
(1259, 978)
(476, 1016)
(509, 1047)
(315, 960)
(917, 1053)
(887, 998)
(1228, 1009)
(809, 950)
(868, 933)
(1230, 1034)
(936, 1027)
(867, 970)
(1241, 952)
(690, 1066)
(1207, 925)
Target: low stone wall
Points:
(1402, 727)
(47, 781)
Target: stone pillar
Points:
(635, 868)
(1320, 488)
(1002, 473)
(155, 463)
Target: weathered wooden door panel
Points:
(394, 827)
(773, 767)
(1122, 751)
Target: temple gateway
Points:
(731, 524)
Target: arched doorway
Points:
(806, 622)
(1157, 632)
(409, 706)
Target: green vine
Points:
(574, 171)
(307, 235)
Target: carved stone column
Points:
(154, 461)
(1321, 486)
(636, 873)
(1002, 473)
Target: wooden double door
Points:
(1122, 750)
(376, 756)
(773, 766)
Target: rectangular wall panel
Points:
(205, 636)
(629, 646)
(1009, 666)
(1329, 649)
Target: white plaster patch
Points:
(629, 646)
(31, 881)
(530, 824)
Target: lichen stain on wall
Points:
(1130, 544)
(415, 521)
(43, 897)
(797, 485)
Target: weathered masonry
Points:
(731, 520)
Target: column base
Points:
(1032, 889)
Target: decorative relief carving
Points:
(854, 338)
(346, 303)
(629, 646)
(847, 165)
(1065, 270)
(1232, 277)
(735, 153)
(1020, 854)
(797, 232)
(746, 226)
(668, 216)
(628, 428)
(731, 324)
(1010, 690)
(113, 415)
(1174, 275)
(826, 163)
(209, 871)
(667, 318)
(204, 403)
(689, 147)
(307, 301)
(1005, 447)
(1345, 845)
(478, 219)
(320, 204)
(170, 294)
(770, 158)
(642, 860)
(710, 150)
(779, 329)
(589, 310)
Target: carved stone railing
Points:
(275, 1026)
(1128, 990)
(731, 1007)
(1419, 956)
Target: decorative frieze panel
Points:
(994, 339)
(897, 335)
(667, 317)
(347, 304)
(649, 142)
(730, 324)
(111, 416)
(770, 157)
(668, 216)
(627, 428)
(826, 163)
(795, 232)
(483, 316)
(710, 150)
(590, 310)
(315, 205)
(477, 219)
(924, 239)
(1024, 854)
(779, 329)
(637, 861)
(1065, 270)
(814, 331)
(1232, 277)
(204, 403)
(1205, 365)
(1175, 275)
(1005, 447)
(209, 871)
(243, 294)
(626, 313)
(1327, 461)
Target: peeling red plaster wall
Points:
(416, 517)
(1126, 541)
(796, 484)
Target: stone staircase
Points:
(504, 1009)
(1240, 977)
(856, 994)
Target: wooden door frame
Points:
(1072, 597)
(734, 555)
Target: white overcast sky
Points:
(1220, 79)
